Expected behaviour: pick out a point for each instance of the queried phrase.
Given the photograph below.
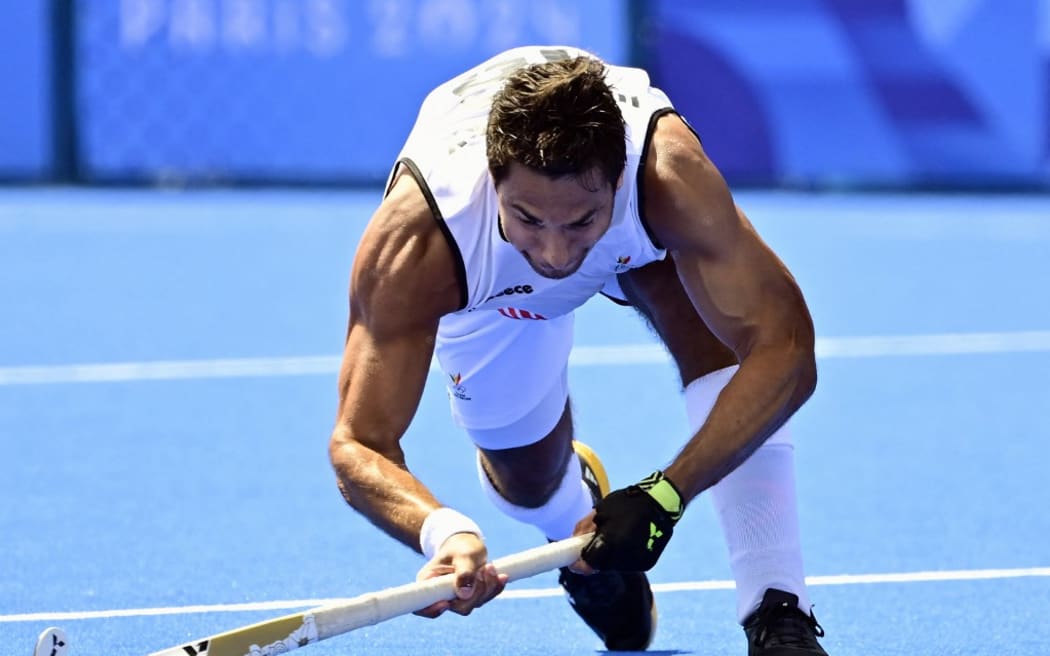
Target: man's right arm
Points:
(403, 280)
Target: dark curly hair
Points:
(559, 118)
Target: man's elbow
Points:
(348, 457)
(807, 379)
(804, 345)
(338, 443)
(348, 462)
(356, 459)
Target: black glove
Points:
(634, 525)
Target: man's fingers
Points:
(467, 576)
(433, 610)
(475, 582)
(433, 571)
(487, 584)
(585, 525)
(494, 581)
(497, 586)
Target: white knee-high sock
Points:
(757, 507)
(558, 517)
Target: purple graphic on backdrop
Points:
(893, 92)
(800, 92)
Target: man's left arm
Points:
(745, 295)
(750, 300)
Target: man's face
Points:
(552, 222)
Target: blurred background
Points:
(803, 94)
(182, 183)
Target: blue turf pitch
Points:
(921, 452)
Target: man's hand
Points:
(465, 555)
(633, 525)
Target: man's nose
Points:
(556, 252)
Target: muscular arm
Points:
(403, 280)
(743, 292)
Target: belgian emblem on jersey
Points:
(456, 387)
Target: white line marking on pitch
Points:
(582, 356)
(533, 593)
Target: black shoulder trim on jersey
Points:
(691, 129)
(615, 299)
(641, 171)
(390, 178)
(461, 269)
(499, 227)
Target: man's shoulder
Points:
(403, 260)
(673, 148)
(686, 198)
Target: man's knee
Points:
(528, 475)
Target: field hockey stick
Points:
(283, 634)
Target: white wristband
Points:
(442, 524)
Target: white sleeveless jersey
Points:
(445, 152)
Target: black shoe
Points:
(780, 628)
(618, 606)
